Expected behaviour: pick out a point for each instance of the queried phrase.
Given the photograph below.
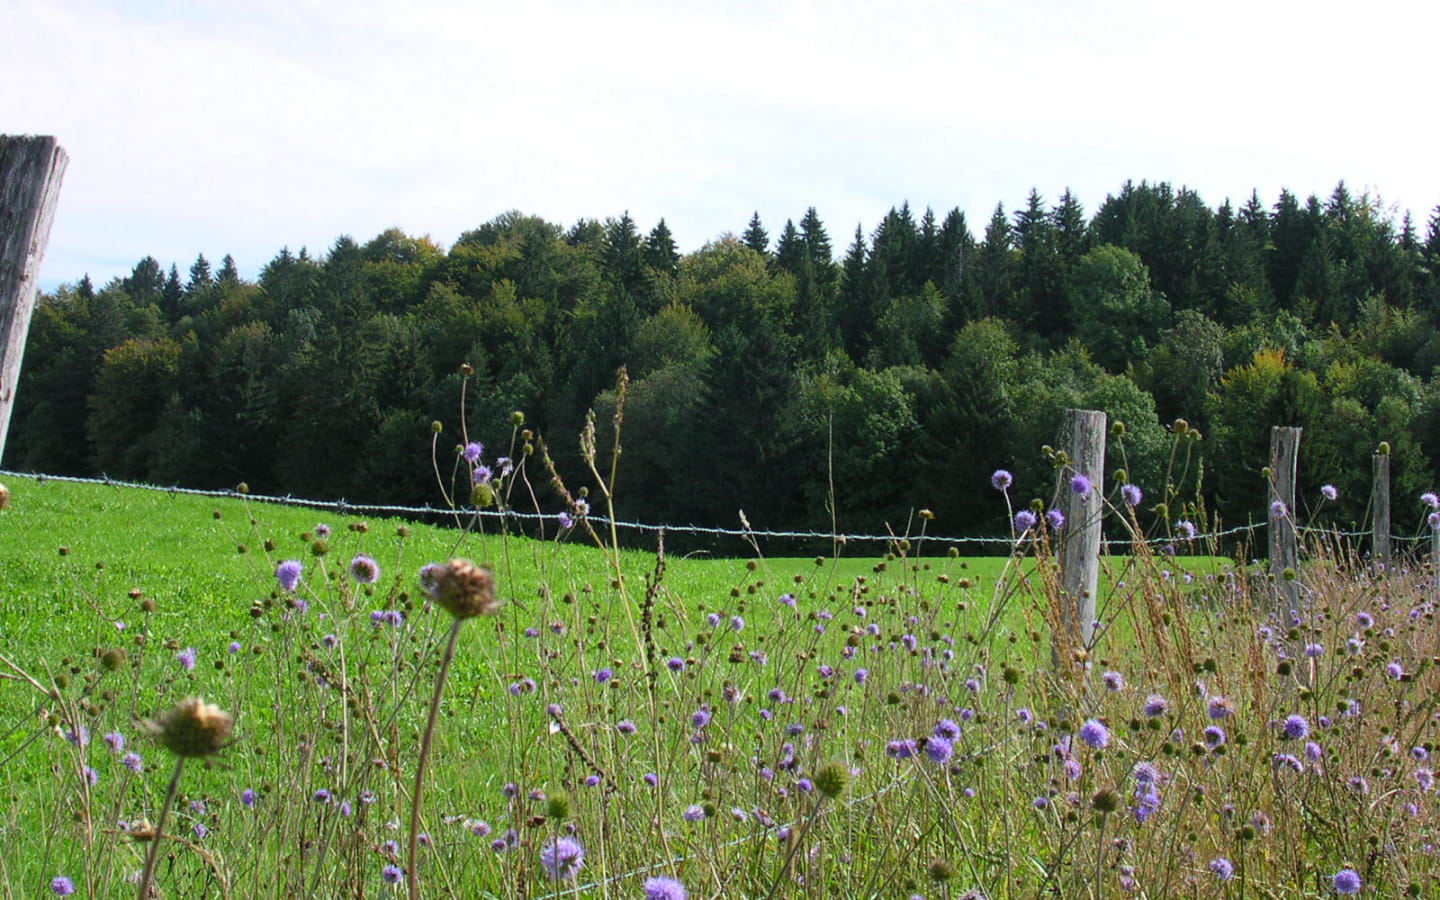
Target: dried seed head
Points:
(464, 589)
(193, 728)
(832, 779)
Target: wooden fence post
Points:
(1284, 549)
(31, 169)
(1083, 435)
(1380, 503)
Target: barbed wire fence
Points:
(345, 507)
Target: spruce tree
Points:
(756, 237)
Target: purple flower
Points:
(1328, 491)
(662, 887)
(1213, 735)
(1223, 868)
(1296, 728)
(788, 600)
(1430, 500)
(675, 664)
(1055, 519)
(482, 474)
(115, 741)
(939, 749)
(61, 886)
(650, 779)
(1001, 480)
(1220, 708)
(700, 718)
(132, 761)
(1131, 494)
(604, 675)
(900, 749)
(693, 813)
(1434, 520)
(248, 797)
(234, 647)
(1277, 509)
(1313, 751)
(364, 569)
(1113, 680)
(393, 874)
(737, 623)
(1024, 521)
(1346, 881)
(1395, 670)
(949, 729)
(1095, 734)
(322, 531)
(288, 574)
(626, 727)
(1080, 484)
(186, 658)
(1314, 651)
(1155, 706)
(565, 520)
(472, 451)
(861, 675)
(562, 858)
(1185, 530)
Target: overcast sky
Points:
(197, 127)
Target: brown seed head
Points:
(4, 497)
(194, 728)
(464, 589)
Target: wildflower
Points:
(565, 520)
(1113, 680)
(675, 664)
(626, 727)
(861, 675)
(1080, 484)
(788, 600)
(1395, 671)
(1213, 736)
(115, 741)
(1185, 530)
(1358, 784)
(322, 796)
(234, 647)
(186, 658)
(1095, 734)
(1328, 491)
(1314, 651)
(1024, 521)
(80, 738)
(939, 749)
(604, 675)
(1131, 494)
(392, 874)
(1295, 727)
(1155, 706)
(1429, 499)
(700, 718)
(248, 797)
(1146, 773)
(322, 531)
(948, 729)
(472, 451)
(650, 779)
(1313, 751)
(562, 858)
(482, 474)
(132, 761)
(288, 574)
(1223, 868)
(1346, 881)
(662, 887)
(1024, 715)
(1055, 519)
(737, 623)
(1434, 520)
(1220, 708)
(903, 749)
(582, 508)
(61, 886)
(364, 570)
(1001, 480)
(693, 813)
(1287, 761)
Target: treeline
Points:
(766, 374)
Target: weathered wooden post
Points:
(1380, 504)
(1284, 549)
(1083, 436)
(31, 169)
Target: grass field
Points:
(882, 727)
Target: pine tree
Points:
(200, 277)
(660, 252)
(228, 274)
(756, 237)
(171, 295)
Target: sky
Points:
(201, 127)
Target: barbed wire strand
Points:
(345, 507)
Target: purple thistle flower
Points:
(1131, 494)
(115, 741)
(248, 797)
(364, 569)
(234, 647)
(1287, 761)
(900, 749)
(1213, 736)
(788, 600)
(288, 574)
(1395, 670)
(482, 474)
(1364, 620)
(1113, 680)
(1024, 715)
(939, 749)
(1296, 727)
(1313, 751)
(1314, 651)
(1185, 530)
(949, 729)
(1223, 868)
(1277, 509)
(80, 738)
(186, 658)
(472, 451)
(1328, 491)
(1024, 521)
(626, 727)
(1220, 708)
(1001, 480)
(392, 874)
(562, 858)
(650, 779)
(1434, 520)
(1346, 881)
(132, 761)
(1055, 519)
(700, 718)
(737, 623)
(61, 886)
(604, 675)
(1080, 484)
(693, 813)
(675, 664)
(1095, 734)
(1429, 499)
(662, 887)
(565, 520)
(1155, 706)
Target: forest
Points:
(769, 373)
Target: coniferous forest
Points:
(892, 370)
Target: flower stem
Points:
(413, 873)
(160, 829)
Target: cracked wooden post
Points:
(31, 169)
(1284, 544)
(1082, 435)
(1380, 504)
